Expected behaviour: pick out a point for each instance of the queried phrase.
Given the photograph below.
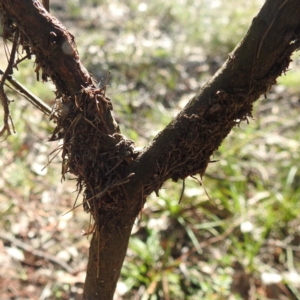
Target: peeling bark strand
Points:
(182, 149)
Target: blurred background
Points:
(241, 242)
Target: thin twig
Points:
(182, 191)
(201, 184)
(37, 253)
(4, 99)
(34, 100)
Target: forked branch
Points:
(96, 152)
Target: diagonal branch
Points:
(185, 146)
(22, 90)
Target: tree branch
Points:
(101, 158)
(185, 146)
(22, 90)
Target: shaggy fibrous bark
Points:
(114, 178)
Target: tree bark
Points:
(125, 177)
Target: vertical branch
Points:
(4, 100)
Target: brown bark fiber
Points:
(114, 178)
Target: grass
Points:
(226, 237)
